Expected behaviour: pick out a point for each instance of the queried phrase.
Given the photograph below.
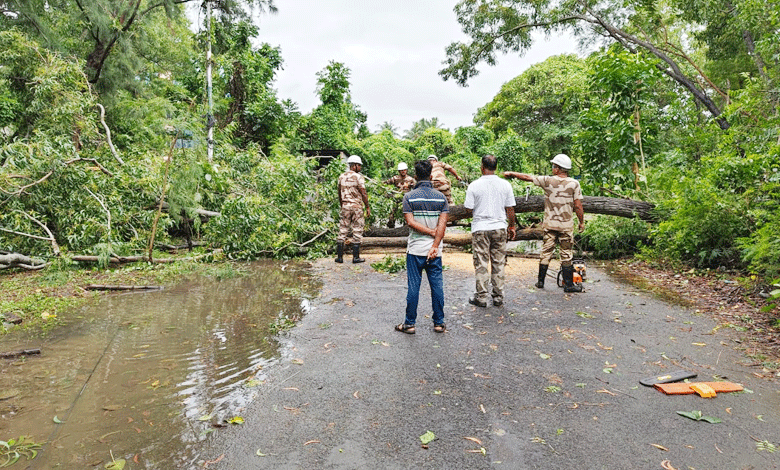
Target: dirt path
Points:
(550, 381)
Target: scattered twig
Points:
(120, 287)
(19, 353)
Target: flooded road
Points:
(147, 376)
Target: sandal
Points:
(404, 328)
(440, 328)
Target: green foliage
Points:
(610, 237)
(279, 213)
(617, 136)
(434, 141)
(14, 449)
(703, 224)
(390, 264)
(542, 106)
(475, 140)
(511, 151)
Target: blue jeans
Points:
(433, 269)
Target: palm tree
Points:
(419, 127)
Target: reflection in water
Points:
(146, 376)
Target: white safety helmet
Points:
(562, 161)
(402, 166)
(433, 157)
(355, 159)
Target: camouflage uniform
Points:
(440, 180)
(560, 194)
(403, 184)
(351, 215)
(489, 250)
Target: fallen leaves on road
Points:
(427, 438)
(209, 462)
(659, 446)
(473, 439)
(313, 441)
(667, 465)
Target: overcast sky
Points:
(394, 49)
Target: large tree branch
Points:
(672, 69)
(17, 260)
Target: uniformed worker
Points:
(562, 199)
(439, 178)
(352, 198)
(403, 183)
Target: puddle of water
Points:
(145, 376)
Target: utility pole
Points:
(210, 114)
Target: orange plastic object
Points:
(685, 388)
(704, 390)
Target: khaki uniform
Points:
(404, 184)
(351, 217)
(440, 180)
(489, 249)
(560, 194)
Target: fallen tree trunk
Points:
(455, 239)
(591, 204)
(17, 260)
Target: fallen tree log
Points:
(455, 239)
(17, 260)
(590, 204)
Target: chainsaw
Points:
(578, 276)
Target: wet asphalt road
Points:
(549, 381)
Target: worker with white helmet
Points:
(352, 198)
(403, 183)
(562, 199)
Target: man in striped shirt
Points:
(425, 212)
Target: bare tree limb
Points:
(108, 134)
(17, 260)
(54, 246)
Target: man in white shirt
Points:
(492, 203)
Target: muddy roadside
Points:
(549, 381)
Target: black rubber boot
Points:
(340, 252)
(568, 280)
(356, 254)
(542, 275)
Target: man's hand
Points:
(582, 226)
(433, 253)
(368, 212)
(512, 232)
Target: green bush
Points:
(609, 237)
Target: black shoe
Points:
(356, 254)
(542, 274)
(476, 302)
(339, 252)
(498, 303)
